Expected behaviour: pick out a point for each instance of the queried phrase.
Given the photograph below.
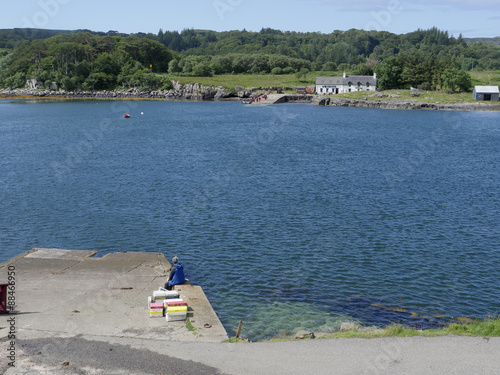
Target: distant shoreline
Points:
(204, 95)
(404, 104)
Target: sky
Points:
(471, 18)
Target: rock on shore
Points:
(401, 104)
(180, 92)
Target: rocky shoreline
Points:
(194, 92)
(199, 92)
(402, 104)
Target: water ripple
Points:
(289, 217)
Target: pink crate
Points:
(175, 303)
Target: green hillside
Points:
(427, 59)
(86, 61)
(10, 38)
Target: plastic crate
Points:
(156, 310)
(176, 316)
(161, 295)
(174, 302)
(177, 309)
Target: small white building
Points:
(486, 93)
(339, 85)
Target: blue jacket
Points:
(176, 275)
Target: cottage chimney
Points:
(375, 75)
(345, 75)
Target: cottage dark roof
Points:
(345, 81)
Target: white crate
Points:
(171, 317)
(160, 295)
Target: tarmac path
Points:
(417, 355)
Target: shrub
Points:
(426, 86)
(202, 70)
(68, 84)
(16, 81)
(277, 71)
(166, 84)
(343, 67)
(173, 66)
(329, 66)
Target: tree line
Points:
(339, 47)
(237, 63)
(87, 61)
(427, 59)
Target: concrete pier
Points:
(66, 293)
(278, 99)
(271, 99)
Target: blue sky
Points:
(472, 18)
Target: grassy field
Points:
(428, 96)
(487, 78)
(230, 81)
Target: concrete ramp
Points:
(67, 293)
(271, 99)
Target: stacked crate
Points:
(175, 309)
(156, 310)
(167, 303)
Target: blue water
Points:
(290, 216)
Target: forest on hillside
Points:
(349, 47)
(87, 61)
(428, 59)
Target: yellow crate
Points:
(177, 309)
(155, 313)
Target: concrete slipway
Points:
(77, 314)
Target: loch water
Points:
(289, 216)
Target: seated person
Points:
(176, 274)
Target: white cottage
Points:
(339, 85)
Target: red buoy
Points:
(126, 115)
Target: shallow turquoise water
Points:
(289, 216)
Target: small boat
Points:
(126, 115)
